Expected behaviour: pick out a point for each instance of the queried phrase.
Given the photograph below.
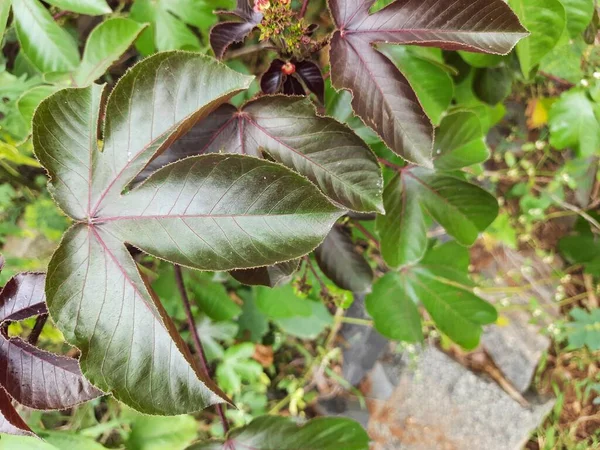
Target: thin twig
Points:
(309, 264)
(385, 162)
(37, 328)
(196, 338)
(248, 50)
(304, 8)
(366, 232)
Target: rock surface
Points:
(437, 404)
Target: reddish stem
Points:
(37, 328)
(366, 232)
(196, 337)
(304, 8)
(385, 162)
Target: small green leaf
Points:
(393, 310)
(253, 324)
(585, 329)
(237, 367)
(88, 7)
(49, 47)
(105, 44)
(564, 61)
(307, 327)
(481, 60)
(545, 20)
(212, 297)
(573, 124)
(4, 11)
(30, 100)
(281, 302)
(459, 142)
(160, 433)
(213, 333)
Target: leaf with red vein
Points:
(382, 96)
(212, 212)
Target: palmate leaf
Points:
(33, 377)
(456, 311)
(383, 98)
(280, 433)
(288, 130)
(213, 212)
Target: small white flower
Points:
(566, 279)
(597, 75)
(540, 145)
(584, 83)
(537, 312)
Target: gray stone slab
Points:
(439, 404)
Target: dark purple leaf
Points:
(10, 421)
(311, 74)
(382, 96)
(42, 380)
(343, 264)
(225, 34)
(22, 297)
(271, 276)
(272, 80)
(291, 86)
(288, 129)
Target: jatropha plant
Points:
(251, 190)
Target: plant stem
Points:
(385, 162)
(304, 8)
(37, 328)
(366, 232)
(196, 338)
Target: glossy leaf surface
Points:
(383, 97)
(270, 276)
(456, 311)
(10, 421)
(280, 433)
(214, 212)
(23, 297)
(339, 259)
(288, 129)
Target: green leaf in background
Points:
(237, 367)
(546, 21)
(462, 208)
(281, 302)
(70, 441)
(161, 433)
(434, 282)
(393, 310)
(481, 60)
(307, 327)
(88, 7)
(585, 329)
(432, 84)
(31, 99)
(213, 333)
(9, 442)
(166, 32)
(574, 124)
(492, 85)
(459, 142)
(281, 433)
(199, 13)
(564, 61)
(212, 297)
(253, 324)
(579, 15)
(49, 47)
(105, 44)
(4, 11)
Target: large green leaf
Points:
(212, 297)
(307, 327)
(105, 44)
(434, 282)
(431, 82)
(289, 130)
(574, 124)
(280, 433)
(213, 212)
(579, 15)
(459, 142)
(89, 7)
(564, 61)
(281, 302)
(462, 208)
(545, 20)
(46, 45)
(393, 309)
